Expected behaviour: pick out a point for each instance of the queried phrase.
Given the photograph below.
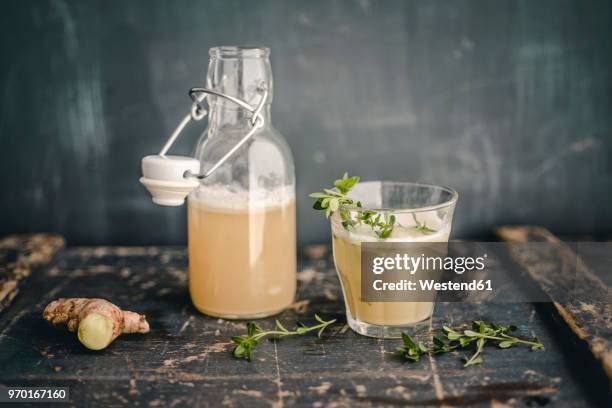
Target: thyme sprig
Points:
(453, 339)
(245, 344)
(382, 224)
(331, 200)
(421, 226)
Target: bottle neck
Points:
(223, 115)
(240, 72)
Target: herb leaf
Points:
(480, 334)
(245, 344)
(411, 350)
(345, 184)
(421, 226)
(332, 201)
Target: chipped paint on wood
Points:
(186, 359)
(584, 307)
(18, 255)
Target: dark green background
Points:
(509, 102)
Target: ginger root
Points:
(97, 321)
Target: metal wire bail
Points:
(198, 112)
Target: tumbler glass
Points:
(422, 213)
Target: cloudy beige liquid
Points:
(347, 257)
(242, 259)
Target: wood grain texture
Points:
(186, 358)
(18, 255)
(580, 297)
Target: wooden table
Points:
(186, 358)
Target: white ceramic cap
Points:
(170, 168)
(164, 177)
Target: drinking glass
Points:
(423, 213)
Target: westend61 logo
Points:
(418, 271)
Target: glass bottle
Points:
(241, 219)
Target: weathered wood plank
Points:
(186, 359)
(580, 297)
(18, 255)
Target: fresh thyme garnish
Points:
(246, 344)
(421, 226)
(332, 201)
(453, 339)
